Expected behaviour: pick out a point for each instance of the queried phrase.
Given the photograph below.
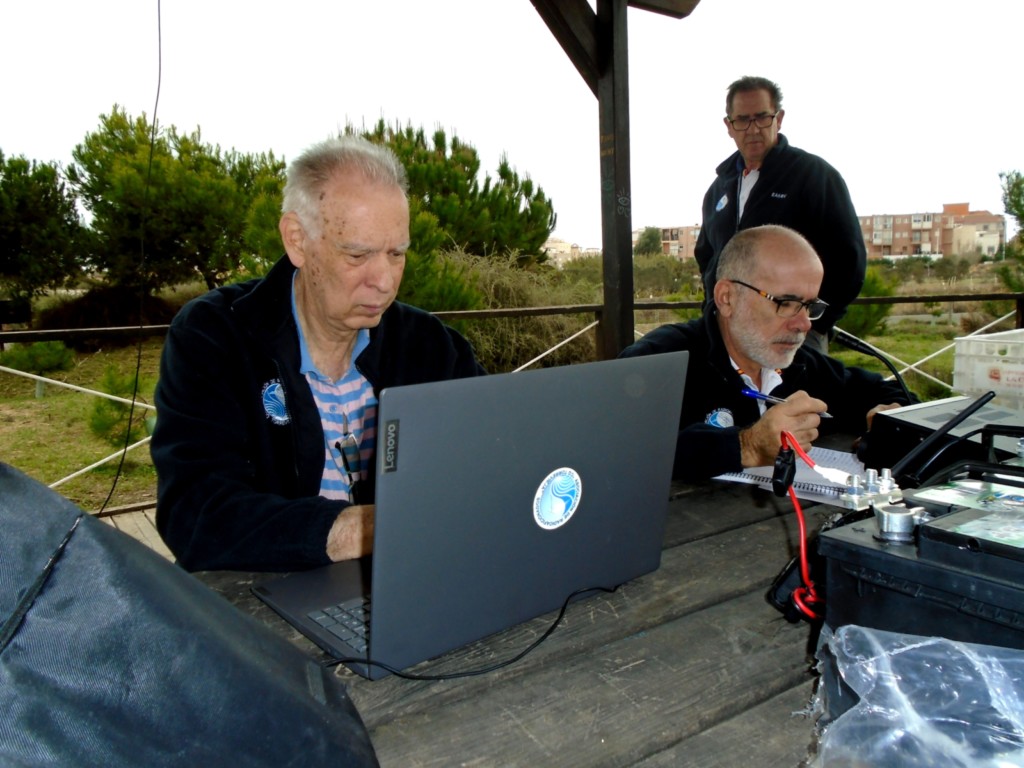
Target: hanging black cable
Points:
(142, 258)
(850, 341)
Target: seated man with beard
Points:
(751, 337)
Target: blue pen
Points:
(772, 399)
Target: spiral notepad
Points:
(807, 483)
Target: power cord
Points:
(142, 259)
(850, 341)
(805, 597)
(481, 670)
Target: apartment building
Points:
(956, 231)
(677, 242)
(560, 251)
(680, 241)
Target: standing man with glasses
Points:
(751, 337)
(769, 181)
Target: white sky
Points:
(915, 102)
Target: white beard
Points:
(759, 349)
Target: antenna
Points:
(912, 480)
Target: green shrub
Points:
(39, 358)
(685, 315)
(105, 307)
(436, 283)
(864, 320)
(925, 388)
(658, 274)
(504, 344)
(109, 418)
(583, 270)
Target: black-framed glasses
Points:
(789, 307)
(743, 123)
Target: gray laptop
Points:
(496, 499)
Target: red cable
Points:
(805, 598)
(788, 441)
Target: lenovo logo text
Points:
(391, 446)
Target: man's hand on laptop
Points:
(351, 536)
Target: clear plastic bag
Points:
(920, 701)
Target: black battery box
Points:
(960, 577)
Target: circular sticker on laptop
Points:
(557, 498)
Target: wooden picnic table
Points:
(686, 666)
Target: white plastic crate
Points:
(991, 361)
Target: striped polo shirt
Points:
(348, 407)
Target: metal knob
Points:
(885, 482)
(871, 481)
(895, 523)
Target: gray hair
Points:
(751, 83)
(308, 173)
(738, 260)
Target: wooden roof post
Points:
(596, 45)
(616, 329)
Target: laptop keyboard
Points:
(348, 621)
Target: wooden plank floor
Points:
(687, 666)
(140, 525)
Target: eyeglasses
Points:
(789, 307)
(743, 123)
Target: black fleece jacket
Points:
(237, 480)
(803, 192)
(712, 397)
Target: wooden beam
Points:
(616, 191)
(596, 43)
(574, 25)
(677, 9)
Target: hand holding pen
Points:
(759, 442)
(774, 400)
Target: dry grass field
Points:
(48, 437)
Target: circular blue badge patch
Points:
(273, 402)
(557, 498)
(721, 417)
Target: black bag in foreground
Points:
(110, 655)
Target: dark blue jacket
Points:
(237, 480)
(712, 395)
(798, 190)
